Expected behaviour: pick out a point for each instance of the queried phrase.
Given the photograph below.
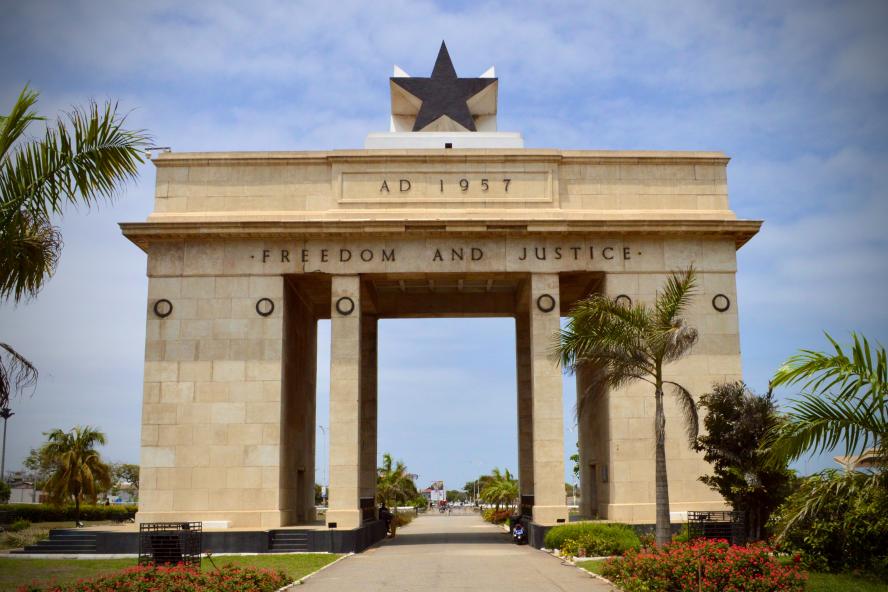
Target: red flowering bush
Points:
(704, 566)
(177, 579)
(496, 516)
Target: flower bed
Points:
(177, 579)
(704, 566)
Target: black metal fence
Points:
(170, 543)
(730, 526)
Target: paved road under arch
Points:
(440, 552)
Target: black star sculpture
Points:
(444, 94)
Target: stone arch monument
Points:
(441, 216)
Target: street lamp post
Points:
(5, 413)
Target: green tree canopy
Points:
(737, 422)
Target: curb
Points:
(301, 580)
(572, 562)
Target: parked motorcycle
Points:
(519, 534)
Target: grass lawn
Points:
(823, 582)
(817, 582)
(591, 565)
(17, 572)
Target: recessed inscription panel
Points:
(501, 186)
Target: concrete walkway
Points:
(439, 552)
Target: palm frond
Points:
(819, 424)
(14, 125)
(677, 341)
(688, 410)
(675, 296)
(599, 331)
(17, 373)
(29, 253)
(80, 160)
(863, 373)
(83, 158)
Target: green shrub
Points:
(48, 513)
(5, 492)
(843, 532)
(598, 538)
(19, 525)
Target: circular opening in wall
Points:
(345, 306)
(163, 308)
(264, 307)
(546, 303)
(623, 300)
(721, 303)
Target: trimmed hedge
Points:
(618, 538)
(47, 513)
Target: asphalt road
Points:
(458, 552)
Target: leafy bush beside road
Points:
(837, 523)
(595, 538)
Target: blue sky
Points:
(794, 92)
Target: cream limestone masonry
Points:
(550, 506)
(345, 405)
(228, 400)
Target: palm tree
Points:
(625, 344)
(79, 471)
(81, 160)
(16, 375)
(393, 483)
(843, 402)
(501, 489)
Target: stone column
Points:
(345, 394)
(525, 404)
(548, 417)
(585, 443)
(368, 407)
(298, 408)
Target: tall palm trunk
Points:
(663, 527)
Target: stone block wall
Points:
(212, 402)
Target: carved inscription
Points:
(463, 183)
(419, 187)
(440, 255)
